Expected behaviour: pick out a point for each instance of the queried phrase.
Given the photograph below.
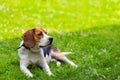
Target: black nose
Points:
(51, 40)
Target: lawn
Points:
(88, 28)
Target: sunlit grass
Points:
(57, 15)
(88, 28)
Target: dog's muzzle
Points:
(50, 40)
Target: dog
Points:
(36, 48)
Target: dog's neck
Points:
(36, 48)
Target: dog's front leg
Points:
(43, 63)
(24, 69)
(45, 66)
(47, 69)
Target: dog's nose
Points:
(51, 40)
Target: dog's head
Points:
(36, 36)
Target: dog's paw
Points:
(30, 76)
(51, 74)
(58, 64)
(76, 66)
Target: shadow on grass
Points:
(96, 51)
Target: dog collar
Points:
(23, 46)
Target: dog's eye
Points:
(45, 32)
(40, 34)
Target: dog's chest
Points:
(35, 57)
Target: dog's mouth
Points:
(50, 41)
(44, 46)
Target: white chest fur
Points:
(32, 57)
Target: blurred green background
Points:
(66, 15)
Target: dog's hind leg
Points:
(66, 53)
(60, 56)
(64, 58)
(58, 63)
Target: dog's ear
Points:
(28, 38)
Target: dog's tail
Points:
(66, 53)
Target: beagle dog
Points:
(36, 48)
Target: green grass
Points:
(88, 28)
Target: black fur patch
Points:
(46, 50)
(24, 46)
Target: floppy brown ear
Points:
(28, 38)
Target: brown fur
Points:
(33, 36)
(28, 38)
